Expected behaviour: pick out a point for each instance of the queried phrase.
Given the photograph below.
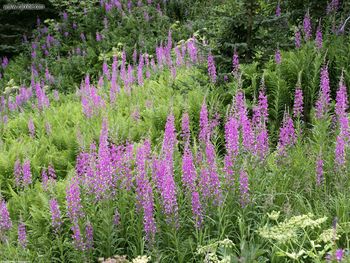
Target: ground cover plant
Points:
(130, 132)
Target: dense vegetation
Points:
(178, 131)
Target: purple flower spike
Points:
(244, 188)
(31, 128)
(22, 235)
(74, 207)
(297, 39)
(319, 38)
(298, 103)
(89, 233)
(287, 136)
(5, 220)
(319, 171)
(307, 26)
(211, 68)
(323, 102)
(235, 63)
(55, 214)
(278, 58)
(197, 210)
(27, 175)
(339, 254)
(278, 10)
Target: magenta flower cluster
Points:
(343, 137)
(211, 68)
(55, 214)
(287, 135)
(323, 102)
(22, 235)
(298, 103)
(23, 174)
(5, 220)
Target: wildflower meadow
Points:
(177, 131)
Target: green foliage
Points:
(299, 238)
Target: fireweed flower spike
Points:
(235, 64)
(169, 43)
(344, 131)
(130, 79)
(214, 182)
(192, 50)
(167, 183)
(197, 209)
(27, 175)
(185, 125)
(232, 147)
(134, 57)
(22, 235)
(341, 108)
(203, 183)
(278, 58)
(324, 99)
(31, 128)
(105, 70)
(74, 207)
(339, 254)
(77, 237)
(307, 26)
(98, 37)
(5, 220)
(170, 140)
(148, 209)
(244, 188)
(141, 172)
(51, 172)
(262, 140)
(140, 70)
(297, 39)
(278, 10)
(167, 189)
(263, 103)
(114, 84)
(319, 38)
(44, 179)
(18, 173)
(179, 58)
(89, 236)
(204, 133)
(147, 62)
(319, 171)
(123, 67)
(332, 6)
(103, 181)
(116, 217)
(287, 136)
(211, 68)
(188, 169)
(55, 214)
(144, 193)
(244, 122)
(4, 62)
(298, 103)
